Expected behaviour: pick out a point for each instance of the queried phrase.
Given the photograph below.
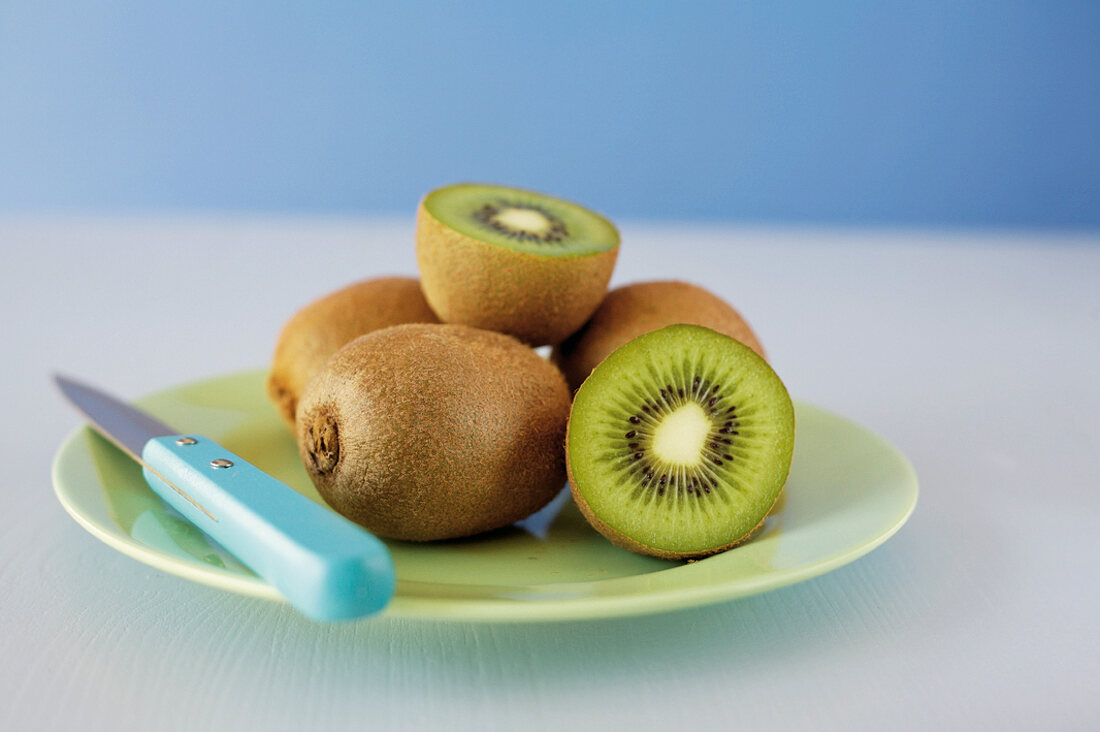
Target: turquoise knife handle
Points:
(323, 564)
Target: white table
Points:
(977, 354)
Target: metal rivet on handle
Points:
(187, 441)
(221, 463)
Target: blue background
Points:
(922, 113)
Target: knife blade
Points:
(327, 567)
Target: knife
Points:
(327, 567)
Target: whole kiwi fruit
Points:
(513, 261)
(319, 329)
(679, 443)
(424, 432)
(631, 310)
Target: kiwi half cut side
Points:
(514, 261)
(679, 443)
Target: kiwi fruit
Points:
(318, 330)
(679, 443)
(425, 432)
(631, 310)
(517, 262)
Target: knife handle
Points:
(323, 564)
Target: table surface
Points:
(975, 353)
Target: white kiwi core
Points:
(679, 437)
(523, 219)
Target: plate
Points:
(848, 492)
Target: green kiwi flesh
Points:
(679, 443)
(522, 220)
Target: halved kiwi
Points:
(679, 443)
(514, 261)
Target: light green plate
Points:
(848, 492)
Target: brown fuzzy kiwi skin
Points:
(540, 300)
(426, 432)
(632, 310)
(319, 330)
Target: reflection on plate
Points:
(848, 492)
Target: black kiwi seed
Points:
(554, 234)
(698, 481)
